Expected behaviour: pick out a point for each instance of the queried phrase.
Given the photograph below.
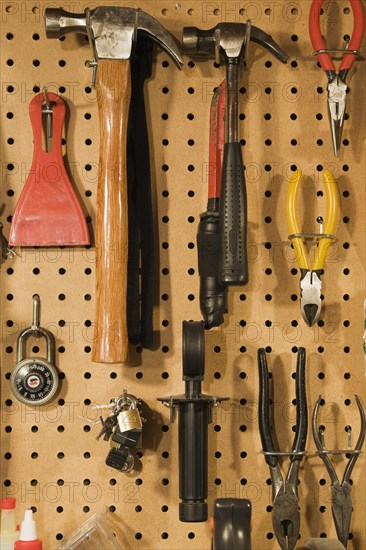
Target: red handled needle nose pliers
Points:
(337, 87)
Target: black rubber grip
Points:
(213, 295)
(301, 407)
(233, 268)
(263, 409)
(193, 460)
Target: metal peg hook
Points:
(320, 221)
(92, 64)
(36, 309)
(48, 111)
(349, 437)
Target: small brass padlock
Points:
(34, 380)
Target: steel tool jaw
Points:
(341, 509)
(310, 299)
(337, 90)
(286, 518)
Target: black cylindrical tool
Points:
(195, 413)
(213, 294)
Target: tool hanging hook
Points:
(47, 110)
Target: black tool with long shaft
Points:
(229, 41)
(141, 238)
(213, 294)
(195, 413)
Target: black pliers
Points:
(285, 499)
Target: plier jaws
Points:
(341, 509)
(310, 297)
(286, 514)
(337, 91)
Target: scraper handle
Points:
(111, 229)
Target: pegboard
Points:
(49, 456)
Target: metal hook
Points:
(320, 221)
(48, 111)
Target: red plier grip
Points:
(318, 41)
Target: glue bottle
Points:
(8, 532)
(28, 534)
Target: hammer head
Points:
(112, 30)
(228, 40)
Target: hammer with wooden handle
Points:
(112, 32)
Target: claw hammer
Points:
(112, 33)
(229, 41)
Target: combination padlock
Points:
(35, 380)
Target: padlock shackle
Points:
(36, 332)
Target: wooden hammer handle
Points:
(111, 229)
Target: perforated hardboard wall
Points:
(50, 457)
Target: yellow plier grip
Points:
(332, 215)
(293, 222)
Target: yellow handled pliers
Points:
(310, 283)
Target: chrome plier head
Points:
(310, 297)
(337, 92)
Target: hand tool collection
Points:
(48, 213)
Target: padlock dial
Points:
(34, 381)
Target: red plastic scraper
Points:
(48, 212)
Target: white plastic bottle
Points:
(8, 533)
(28, 534)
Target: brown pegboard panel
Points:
(50, 458)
